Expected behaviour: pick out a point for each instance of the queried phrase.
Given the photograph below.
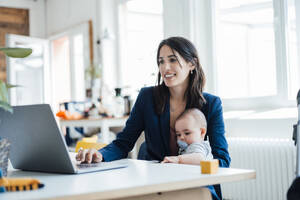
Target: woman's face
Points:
(173, 69)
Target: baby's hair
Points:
(196, 114)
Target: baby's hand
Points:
(171, 159)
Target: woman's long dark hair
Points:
(193, 94)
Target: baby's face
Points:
(188, 130)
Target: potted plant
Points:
(4, 103)
(14, 53)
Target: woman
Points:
(180, 86)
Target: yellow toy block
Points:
(209, 166)
(89, 145)
(90, 139)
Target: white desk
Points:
(103, 123)
(141, 180)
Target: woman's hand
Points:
(89, 156)
(171, 159)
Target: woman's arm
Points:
(126, 139)
(216, 133)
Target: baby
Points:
(190, 129)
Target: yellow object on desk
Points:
(88, 143)
(19, 184)
(209, 166)
(90, 139)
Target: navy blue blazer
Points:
(157, 130)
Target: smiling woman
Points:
(180, 85)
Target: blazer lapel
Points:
(165, 127)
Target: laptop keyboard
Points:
(88, 165)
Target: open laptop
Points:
(38, 145)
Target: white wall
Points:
(108, 15)
(180, 19)
(63, 14)
(36, 14)
(203, 39)
(175, 16)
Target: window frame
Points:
(281, 52)
(71, 33)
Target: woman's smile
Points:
(169, 76)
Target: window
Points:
(256, 51)
(60, 64)
(79, 67)
(293, 55)
(69, 59)
(141, 30)
(30, 72)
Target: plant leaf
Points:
(11, 86)
(3, 92)
(16, 52)
(6, 106)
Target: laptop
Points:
(37, 143)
